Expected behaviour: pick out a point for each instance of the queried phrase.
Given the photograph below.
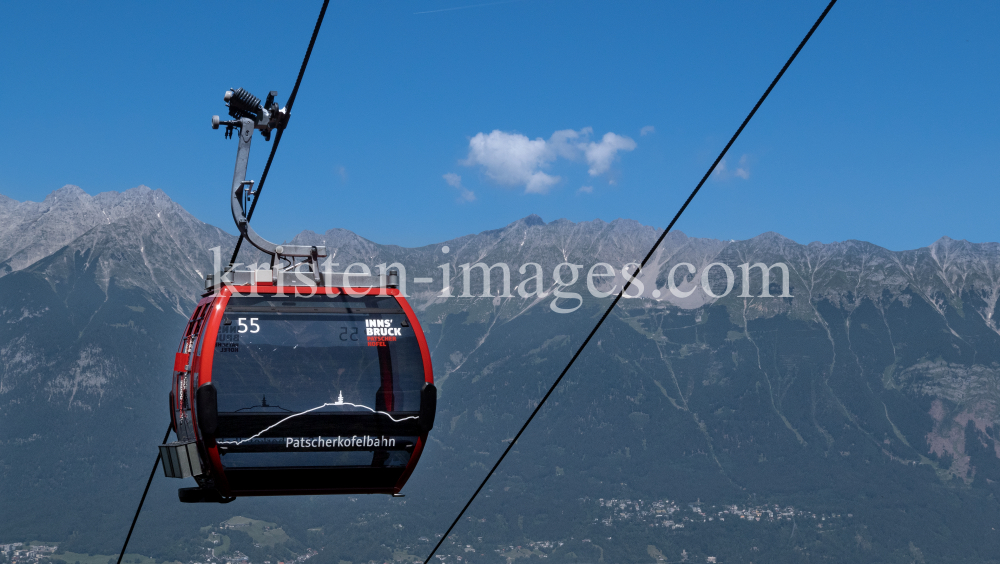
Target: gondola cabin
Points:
(287, 390)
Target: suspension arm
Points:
(246, 126)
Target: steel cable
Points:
(144, 492)
(628, 281)
(277, 138)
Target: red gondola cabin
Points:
(279, 392)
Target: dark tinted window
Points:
(293, 368)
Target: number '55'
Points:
(353, 335)
(253, 327)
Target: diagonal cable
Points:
(277, 138)
(635, 275)
(144, 492)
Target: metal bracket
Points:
(244, 192)
(239, 216)
(180, 459)
(250, 114)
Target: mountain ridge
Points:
(878, 376)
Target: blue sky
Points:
(884, 129)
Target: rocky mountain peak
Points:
(532, 220)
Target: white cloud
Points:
(742, 169)
(600, 155)
(585, 190)
(513, 159)
(647, 130)
(566, 142)
(464, 194)
(342, 172)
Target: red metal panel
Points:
(180, 361)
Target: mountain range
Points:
(868, 386)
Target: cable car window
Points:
(314, 382)
(191, 323)
(183, 384)
(199, 330)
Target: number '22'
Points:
(354, 334)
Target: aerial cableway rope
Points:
(277, 139)
(635, 275)
(144, 492)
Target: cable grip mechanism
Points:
(266, 117)
(251, 114)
